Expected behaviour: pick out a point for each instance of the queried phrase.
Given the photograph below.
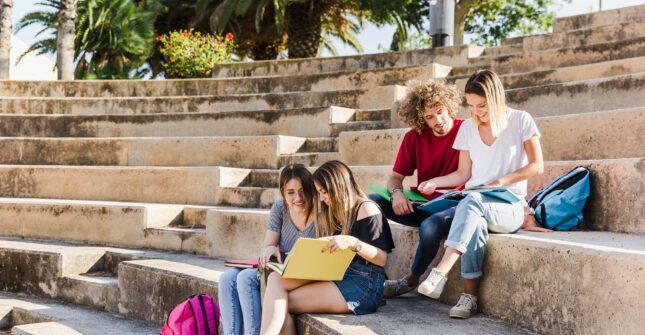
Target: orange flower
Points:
(185, 35)
(229, 36)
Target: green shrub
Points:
(189, 54)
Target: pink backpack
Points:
(199, 315)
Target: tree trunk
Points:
(5, 38)
(263, 51)
(462, 10)
(304, 29)
(65, 41)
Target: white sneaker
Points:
(466, 307)
(433, 285)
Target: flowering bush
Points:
(189, 54)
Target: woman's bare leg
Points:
(275, 308)
(317, 297)
(448, 260)
(289, 326)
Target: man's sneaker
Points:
(433, 285)
(395, 288)
(466, 307)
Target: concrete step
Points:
(579, 97)
(378, 97)
(246, 123)
(150, 283)
(372, 115)
(407, 315)
(603, 34)
(568, 56)
(596, 135)
(599, 19)
(95, 290)
(566, 74)
(320, 144)
(330, 81)
(239, 151)
(450, 56)
(247, 196)
(503, 50)
(309, 158)
(184, 185)
(359, 125)
(31, 316)
(267, 178)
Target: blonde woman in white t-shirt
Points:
(499, 146)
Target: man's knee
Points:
(430, 230)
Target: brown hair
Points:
(423, 94)
(487, 84)
(300, 172)
(337, 180)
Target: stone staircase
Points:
(119, 199)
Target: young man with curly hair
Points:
(430, 109)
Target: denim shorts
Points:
(362, 287)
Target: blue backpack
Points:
(559, 204)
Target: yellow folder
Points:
(306, 261)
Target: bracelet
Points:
(394, 190)
(357, 246)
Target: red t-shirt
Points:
(432, 156)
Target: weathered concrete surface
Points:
(185, 185)
(179, 239)
(151, 288)
(580, 97)
(84, 221)
(236, 233)
(610, 134)
(604, 18)
(568, 74)
(343, 80)
(319, 121)
(613, 32)
(450, 56)
(43, 328)
(599, 287)
(378, 97)
(577, 55)
(408, 315)
(81, 320)
(239, 151)
(96, 291)
(248, 196)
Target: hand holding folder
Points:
(306, 261)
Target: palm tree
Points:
(310, 24)
(5, 38)
(114, 37)
(65, 39)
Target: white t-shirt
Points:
(506, 155)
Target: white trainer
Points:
(433, 285)
(466, 307)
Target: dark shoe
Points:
(395, 288)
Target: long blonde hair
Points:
(487, 84)
(335, 178)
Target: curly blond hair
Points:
(423, 94)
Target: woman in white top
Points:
(499, 147)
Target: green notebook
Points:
(384, 193)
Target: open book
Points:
(306, 261)
(452, 198)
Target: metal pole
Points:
(442, 22)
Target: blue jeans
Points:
(239, 301)
(475, 216)
(432, 229)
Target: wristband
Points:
(357, 246)
(394, 190)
